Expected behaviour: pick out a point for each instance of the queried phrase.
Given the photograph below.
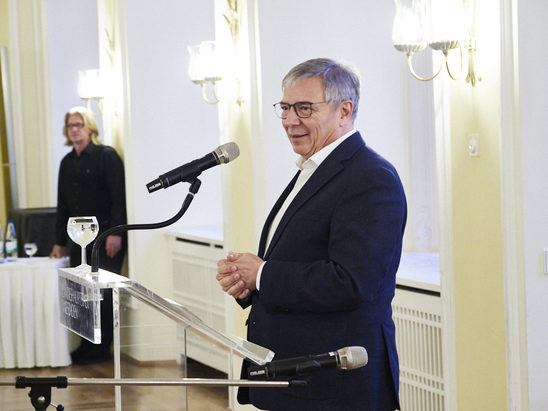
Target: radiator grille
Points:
(194, 265)
(418, 337)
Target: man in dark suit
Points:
(324, 276)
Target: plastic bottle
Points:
(11, 242)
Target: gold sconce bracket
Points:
(203, 84)
(409, 35)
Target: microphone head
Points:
(352, 357)
(227, 152)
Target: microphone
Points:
(189, 171)
(347, 358)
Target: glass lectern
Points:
(80, 296)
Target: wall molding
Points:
(512, 212)
(442, 109)
(30, 81)
(17, 117)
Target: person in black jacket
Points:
(91, 183)
(324, 275)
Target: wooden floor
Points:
(134, 398)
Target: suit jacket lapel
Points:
(272, 214)
(330, 167)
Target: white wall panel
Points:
(534, 106)
(170, 123)
(355, 31)
(73, 45)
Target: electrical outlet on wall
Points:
(473, 145)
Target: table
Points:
(30, 332)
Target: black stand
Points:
(40, 390)
(193, 189)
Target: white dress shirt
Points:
(307, 168)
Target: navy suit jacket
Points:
(329, 280)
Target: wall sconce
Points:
(91, 86)
(443, 26)
(204, 67)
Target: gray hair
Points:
(340, 81)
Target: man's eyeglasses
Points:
(75, 125)
(303, 109)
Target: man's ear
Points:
(346, 108)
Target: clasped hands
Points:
(237, 273)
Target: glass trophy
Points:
(83, 230)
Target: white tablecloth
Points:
(30, 332)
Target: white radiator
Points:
(194, 266)
(417, 316)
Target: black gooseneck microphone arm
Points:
(194, 187)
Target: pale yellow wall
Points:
(111, 61)
(27, 50)
(4, 23)
(31, 119)
(235, 123)
(241, 237)
(4, 41)
(477, 245)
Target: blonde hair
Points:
(89, 122)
